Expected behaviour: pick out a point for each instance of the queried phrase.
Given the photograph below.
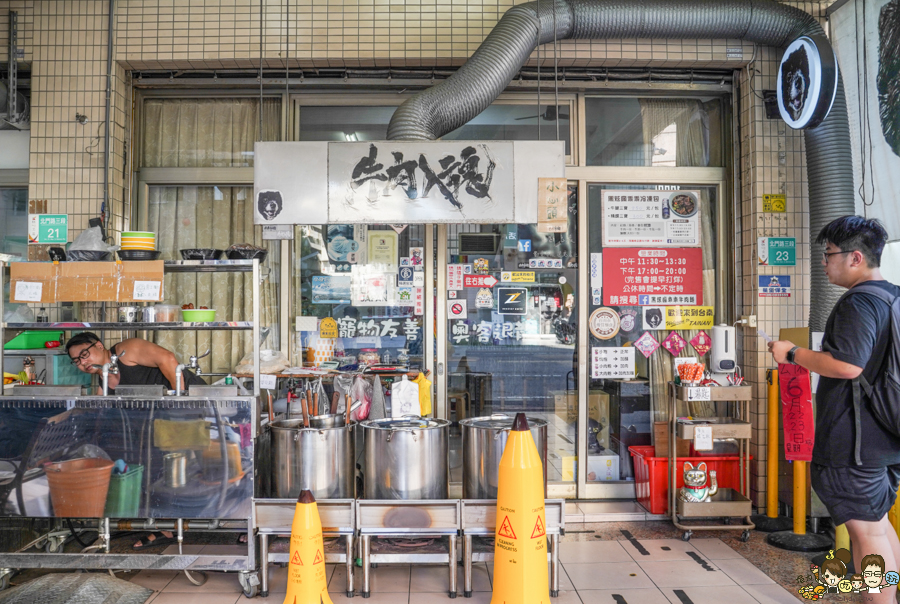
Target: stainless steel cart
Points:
(727, 503)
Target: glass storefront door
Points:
(508, 303)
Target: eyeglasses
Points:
(83, 355)
(827, 254)
(872, 573)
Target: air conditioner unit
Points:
(478, 243)
(21, 119)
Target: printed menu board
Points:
(651, 218)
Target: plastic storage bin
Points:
(124, 497)
(32, 339)
(651, 478)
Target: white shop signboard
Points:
(643, 218)
(402, 182)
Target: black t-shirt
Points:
(857, 332)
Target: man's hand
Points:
(780, 349)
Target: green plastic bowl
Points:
(198, 316)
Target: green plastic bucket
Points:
(124, 497)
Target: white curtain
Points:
(203, 133)
(692, 120)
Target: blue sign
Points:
(405, 276)
(644, 300)
(774, 286)
(524, 245)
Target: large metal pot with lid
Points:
(406, 458)
(318, 459)
(483, 441)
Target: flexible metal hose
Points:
(454, 102)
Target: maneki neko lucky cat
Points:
(695, 489)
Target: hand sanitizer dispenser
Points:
(723, 355)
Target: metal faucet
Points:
(179, 370)
(194, 365)
(111, 367)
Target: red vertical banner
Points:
(796, 412)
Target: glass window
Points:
(514, 348)
(13, 234)
(205, 133)
(653, 132)
(214, 217)
(632, 406)
(500, 121)
(351, 273)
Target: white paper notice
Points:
(700, 393)
(27, 291)
(612, 362)
(147, 290)
(267, 382)
(455, 274)
(817, 337)
(703, 440)
(307, 324)
(596, 271)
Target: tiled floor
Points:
(659, 571)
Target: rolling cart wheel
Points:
(686, 536)
(4, 581)
(52, 547)
(745, 536)
(252, 591)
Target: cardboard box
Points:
(661, 441)
(148, 273)
(600, 468)
(88, 282)
(565, 404)
(34, 276)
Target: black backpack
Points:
(884, 392)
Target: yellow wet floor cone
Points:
(307, 583)
(520, 543)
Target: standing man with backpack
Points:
(855, 467)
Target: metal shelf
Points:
(177, 326)
(208, 266)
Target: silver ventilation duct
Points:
(454, 102)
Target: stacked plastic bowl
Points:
(138, 240)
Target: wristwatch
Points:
(790, 355)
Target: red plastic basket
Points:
(651, 480)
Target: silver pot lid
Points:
(405, 423)
(499, 422)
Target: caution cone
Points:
(520, 544)
(307, 583)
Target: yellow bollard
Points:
(841, 537)
(307, 583)
(772, 445)
(520, 544)
(799, 497)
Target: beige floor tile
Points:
(714, 549)
(224, 550)
(197, 598)
(683, 573)
(152, 579)
(742, 571)
(186, 549)
(771, 593)
(650, 595)
(591, 552)
(388, 578)
(216, 582)
(608, 575)
(732, 594)
(659, 550)
(436, 579)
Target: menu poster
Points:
(651, 218)
(455, 274)
(653, 277)
(612, 362)
(553, 205)
(796, 412)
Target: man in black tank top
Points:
(144, 363)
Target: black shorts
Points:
(856, 493)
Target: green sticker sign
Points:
(48, 228)
(777, 251)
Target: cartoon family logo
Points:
(832, 577)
